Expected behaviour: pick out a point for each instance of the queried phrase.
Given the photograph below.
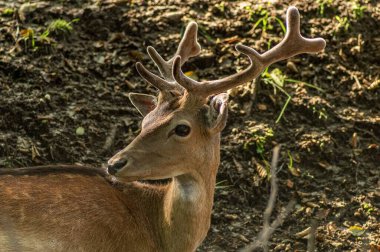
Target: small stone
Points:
(173, 16)
(80, 131)
(262, 106)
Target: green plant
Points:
(45, 39)
(322, 4)
(343, 23)
(27, 35)
(261, 141)
(306, 84)
(278, 80)
(320, 112)
(265, 19)
(259, 137)
(221, 7)
(367, 207)
(358, 10)
(250, 11)
(221, 185)
(294, 171)
(59, 27)
(8, 12)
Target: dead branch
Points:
(311, 238)
(262, 240)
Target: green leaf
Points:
(278, 77)
(281, 24)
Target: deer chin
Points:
(130, 173)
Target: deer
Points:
(116, 208)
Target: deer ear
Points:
(143, 102)
(218, 113)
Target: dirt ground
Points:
(63, 99)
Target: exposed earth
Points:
(63, 99)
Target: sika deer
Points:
(71, 208)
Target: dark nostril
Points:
(112, 169)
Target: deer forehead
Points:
(171, 112)
(154, 124)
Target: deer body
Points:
(68, 208)
(87, 212)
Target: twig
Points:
(110, 139)
(274, 190)
(311, 238)
(268, 229)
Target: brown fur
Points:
(53, 169)
(74, 209)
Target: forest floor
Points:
(63, 99)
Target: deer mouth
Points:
(115, 167)
(124, 171)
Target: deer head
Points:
(181, 127)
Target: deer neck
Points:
(188, 204)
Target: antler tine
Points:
(163, 65)
(188, 47)
(189, 84)
(291, 45)
(153, 79)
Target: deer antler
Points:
(188, 47)
(291, 45)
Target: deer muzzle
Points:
(116, 165)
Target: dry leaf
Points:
(289, 183)
(294, 171)
(193, 75)
(260, 169)
(373, 146)
(35, 152)
(354, 140)
(232, 40)
(290, 65)
(303, 233)
(356, 230)
(262, 106)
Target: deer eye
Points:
(182, 130)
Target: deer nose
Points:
(116, 166)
